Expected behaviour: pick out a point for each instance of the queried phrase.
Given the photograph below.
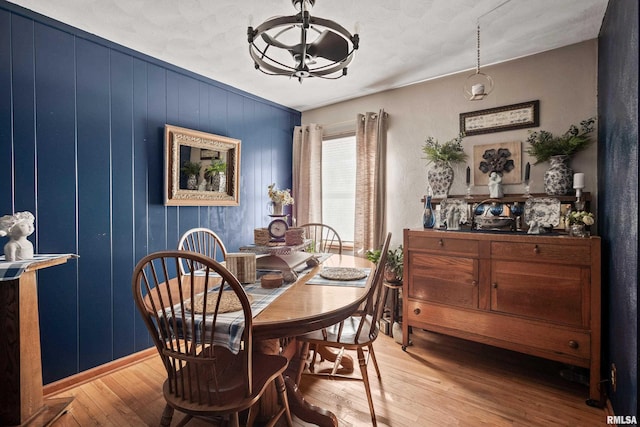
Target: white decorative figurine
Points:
(17, 227)
(495, 186)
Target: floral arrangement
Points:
(544, 144)
(449, 152)
(280, 196)
(580, 217)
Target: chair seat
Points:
(231, 397)
(333, 336)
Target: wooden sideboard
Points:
(534, 294)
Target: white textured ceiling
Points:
(401, 41)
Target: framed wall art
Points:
(201, 169)
(503, 157)
(509, 117)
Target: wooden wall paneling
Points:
(217, 124)
(88, 149)
(266, 173)
(6, 201)
(172, 118)
(94, 203)
(24, 141)
(231, 220)
(122, 228)
(251, 164)
(140, 184)
(154, 155)
(187, 101)
(55, 190)
(203, 123)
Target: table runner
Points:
(10, 270)
(229, 326)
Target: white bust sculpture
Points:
(495, 185)
(17, 227)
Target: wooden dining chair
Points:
(357, 332)
(203, 241)
(207, 376)
(324, 238)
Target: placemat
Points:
(342, 273)
(360, 283)
(228, 302)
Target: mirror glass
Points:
(201, 169)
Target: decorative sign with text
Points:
(509, 117)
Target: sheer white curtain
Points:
(371, 149)
(307, 173)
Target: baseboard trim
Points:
(99, 371)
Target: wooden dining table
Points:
(301, 309)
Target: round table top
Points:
(304, 308)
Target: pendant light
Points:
(302, 46)
(478, 85)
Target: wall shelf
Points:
(510, 198)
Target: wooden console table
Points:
(536, 294)
(21, 396)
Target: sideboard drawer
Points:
(542, 252)
(531, 337)
(444, 245)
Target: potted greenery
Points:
(443, 156)
(558, 150)
(191, 170)
(213, 174)
(394, 266)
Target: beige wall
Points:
(564, 80)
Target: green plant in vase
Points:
(543, 145)
(443, 156)
(191, 170)
(558, 179)
(213, 174)
(394, 266)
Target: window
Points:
(339, 185)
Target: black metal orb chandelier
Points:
(302, 45)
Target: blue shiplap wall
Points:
(81, 146)
(618, 197)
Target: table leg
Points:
(299, 406)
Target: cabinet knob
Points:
(474, 283)
(416, 311)
(574, 344)
(494, 285)
(536, 249)
(440, 242)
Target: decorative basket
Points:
(294, 236)
(261, 236)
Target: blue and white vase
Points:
(558, 179)
(440, 178)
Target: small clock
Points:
(277, 228)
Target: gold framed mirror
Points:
(201, 169)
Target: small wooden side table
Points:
(21, 399)
(394, 288)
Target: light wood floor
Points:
(439, 381)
